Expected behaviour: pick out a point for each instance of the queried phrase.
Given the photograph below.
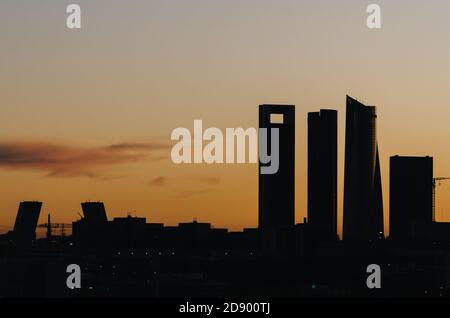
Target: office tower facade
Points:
(277, 191)
(94, 212)
(322, 173)
(363, 204)
(92, 229)
(410, 197)
(26, 221)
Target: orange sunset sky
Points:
(87, 114)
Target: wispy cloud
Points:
(72, 161)
(211, 181)
(138, 146)
(158, 181)
(209, 185)
(207, 179)
(192, 192)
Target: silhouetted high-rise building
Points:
(277, 191)
(92, 229)
(411, 197)
(363, 204)
(94, 212)
(26, 221)
(322, 173)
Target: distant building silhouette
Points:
(277, 191)
(363, 204)
(26, 221)
(130, 229)
(410, 197)
(91, 229)
(322, 173)
(94, 212)
(128, 257)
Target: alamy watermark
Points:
(374, 279)
(235, 146)
(73, 281)
(73, 20)
(374, 19)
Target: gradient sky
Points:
(87, 114)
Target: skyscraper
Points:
(277, 191)
(411, 197)
(322, 173)
(91, 229)
(26, 221)
(363, 204)
(94, 212)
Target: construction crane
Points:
(49, 226)
(436, 181)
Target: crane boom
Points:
(436, 181)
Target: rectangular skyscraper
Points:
(277, 191)
(363, 204)
(411, 197)
(322, 173)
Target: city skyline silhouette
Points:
(115, 90)
(130, 257)
(91, 101)
(320, 149)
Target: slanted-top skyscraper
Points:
(363, 203)
(26, 221)
(322, 173)
(94, 212)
